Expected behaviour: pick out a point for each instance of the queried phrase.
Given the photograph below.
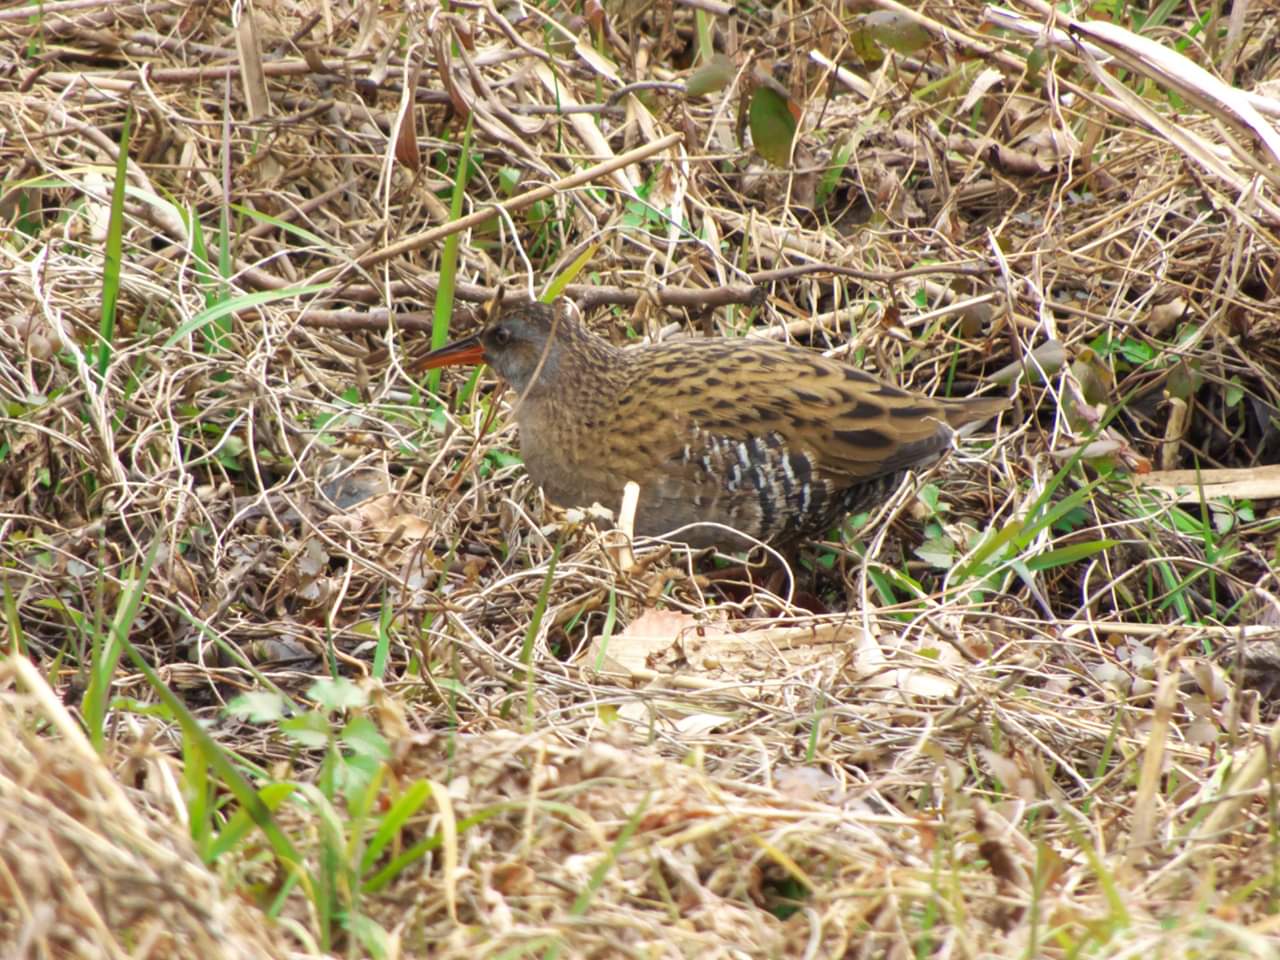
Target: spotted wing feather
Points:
(772, 440)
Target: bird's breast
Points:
(567, 458)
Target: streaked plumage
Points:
(770, 439)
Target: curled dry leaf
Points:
(1045, 360)
(643, 640)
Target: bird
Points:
(725, 437)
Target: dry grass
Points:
(981, 725)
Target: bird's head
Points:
(525, 342)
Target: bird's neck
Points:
(581, 370)
(561, 416)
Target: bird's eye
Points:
(501, 336)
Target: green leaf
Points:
(931, 496)
(371, 936)
(503, 458)
(1223, 517)
(258, 706)
(451, 685)
(831, 178)
(110, 646)
(1234, 393)
(713, 75)
(308, 729)
(897, 31)
(938, 552)
(1184, 379)
(361, 735)
(1136, 352)
(1073, 519)
(773, 127)
(230, 449)
(339, 694)
(508, 180)
(863, 45)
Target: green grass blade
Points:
(409, 803)
(423, 847)
(1069, 554)
(284, 226)
(596, 881)
(113, 258)
(530, 634)
(109, 645)
(241, 823)
(443, 311)
(569, 273)
(220, 761)
(248, 300)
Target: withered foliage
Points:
(915, 741)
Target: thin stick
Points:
(434, 235)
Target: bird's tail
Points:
(974, 409)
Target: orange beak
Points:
(466, 352)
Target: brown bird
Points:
(769, 439)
